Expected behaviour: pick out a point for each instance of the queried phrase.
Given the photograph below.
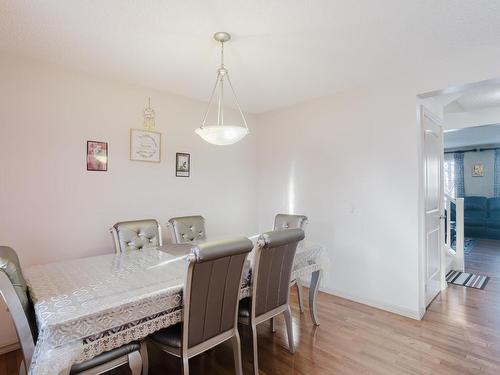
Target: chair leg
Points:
(273, 324)
(237, 353)
(144, 357)
(313, 291)
(255, 351)
(185, 365)
(289, 329)
(300, 295)
(22, 368)
(135, 363)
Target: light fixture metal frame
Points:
(222, 73)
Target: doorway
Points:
(470, 179)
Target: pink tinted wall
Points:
(52, 208)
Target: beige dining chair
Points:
(136, 235)
(211, 296)
(272, 269)
(286, 221)
(14, 292)
(185, 229)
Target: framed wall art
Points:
(478, 170)
(97, 156)
(182, 164)
(145, 145)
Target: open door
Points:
(433, 203)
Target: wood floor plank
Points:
(460, 334)
(3, 364)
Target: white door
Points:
(433, 200)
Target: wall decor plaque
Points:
(145, 145)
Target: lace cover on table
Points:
(116, 300)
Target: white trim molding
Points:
(413, 314)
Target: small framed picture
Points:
(97, 156)
(182, 164)
(478, 170)
(145, 145)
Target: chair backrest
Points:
(187, 229)
(273, 268)
(136, 235)
(286, 221)
(14, 291)
(212, 289)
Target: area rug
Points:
(469, 280)
(469, 244)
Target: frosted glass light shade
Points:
(222, 135)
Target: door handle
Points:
(442, 217)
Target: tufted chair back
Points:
(187, 229)
(212, 289)
(285, 221)
(136, 235)
(14, 291)
(274, 262)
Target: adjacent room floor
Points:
(460, 334)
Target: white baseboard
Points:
(413, 314)
(7, 348)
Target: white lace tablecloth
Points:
(88, 306)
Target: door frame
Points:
(424, 111)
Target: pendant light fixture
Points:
(222, 134)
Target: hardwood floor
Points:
(460, 334)
(9, 363)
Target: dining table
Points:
(88, 306)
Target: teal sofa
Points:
(481, 217)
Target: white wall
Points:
(51, 208)
(472, 137)
(480, 117)
(352, 163)
(342, 161)
(479, 186)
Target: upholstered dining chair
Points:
(136, 235)
(14, 291)
(286, 221)
(272, 269)
(187, 229)
(211, 296)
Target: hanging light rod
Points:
(222, 134)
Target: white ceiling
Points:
(472, 137)
(283, 51)
(486, 96)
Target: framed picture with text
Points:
(145, 145)
(182, 164)
(97, 156)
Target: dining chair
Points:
(136, 235)
(187, 229)
(272, 269)
(14, 291)
(211, 296)
(286, 221)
